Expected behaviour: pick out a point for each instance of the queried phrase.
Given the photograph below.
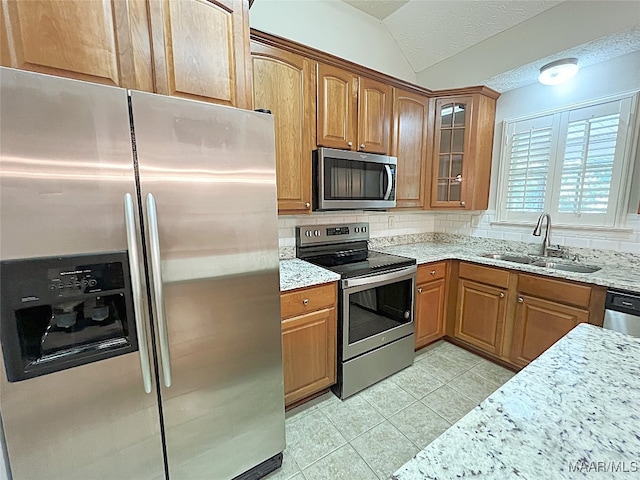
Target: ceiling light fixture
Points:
(559, 71)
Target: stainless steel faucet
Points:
(546, 243)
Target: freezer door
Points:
(207, 176)
(65, 166)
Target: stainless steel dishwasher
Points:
(622, 312)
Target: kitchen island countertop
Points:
(572, 413)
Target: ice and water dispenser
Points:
(62, 312)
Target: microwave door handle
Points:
(136, 287)
(389, 182)
(156, 269)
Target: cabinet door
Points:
(374, 116)
(480, 315)
(200, 48)
(309, 354)
(337, 108)
(538, 325)
(451, 152)
(409, 144)
(430, 312)
(285, 84)
(85, 40)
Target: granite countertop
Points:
(574, 412)
(296, 273)
(615, 275)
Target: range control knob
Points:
(316, 233)
(357, 229)
(307, 233)
(364, 229)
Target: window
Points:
(574, 164)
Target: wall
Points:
(333, 27)
(607, 78)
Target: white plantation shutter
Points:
(569, 164)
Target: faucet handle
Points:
(555, 251)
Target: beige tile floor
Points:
(373, 433)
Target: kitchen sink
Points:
(508, 257)
(566, 267)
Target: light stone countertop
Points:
(574, 412)
(622, 276)
(296, 273)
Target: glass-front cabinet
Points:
(450, 152)
(462, 148)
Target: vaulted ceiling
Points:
(503, 43)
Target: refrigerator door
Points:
(207, 176)
(65, 167)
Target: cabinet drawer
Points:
(431, 271)
(307, 300)
(487, 275)
(560, 290)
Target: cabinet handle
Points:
(462, 204)
(362, 145)
(459, 178)
(349, 144)
(520, 300)
(419, 289)
(307, 205)
(501, 294)
(305, 301)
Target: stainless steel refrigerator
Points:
(140, 293)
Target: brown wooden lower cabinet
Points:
(539, 324)
(481, 314)
(308, 341)
(430, 303)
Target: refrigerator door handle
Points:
(156, 270)
(136, 287)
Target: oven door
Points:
(376, 310)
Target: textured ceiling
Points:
(380, 9)
(428, 31)
(589, 53)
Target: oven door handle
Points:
(381, 279)
(387, 169)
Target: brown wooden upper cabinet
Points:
(354, 113)
(409, 143)
(462, 149)
(201, 50)
(95, 41)
(200, 47)
(284, 83)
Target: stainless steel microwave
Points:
(344, 180)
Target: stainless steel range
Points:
(376, 303)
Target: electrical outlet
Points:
(392, 221)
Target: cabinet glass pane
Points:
(446, 115)
(443, 190)
(459, 112)
(445, 141)
(458, 140)
(456, 165)
(443, 166)
(454, 191)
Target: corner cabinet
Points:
(409, 140)
(353, 113)
(462, 150)
(284, 83)
(308, 341)
(430, 303)
(201, 50)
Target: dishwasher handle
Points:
(623, 302)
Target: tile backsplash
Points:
(416, 226)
